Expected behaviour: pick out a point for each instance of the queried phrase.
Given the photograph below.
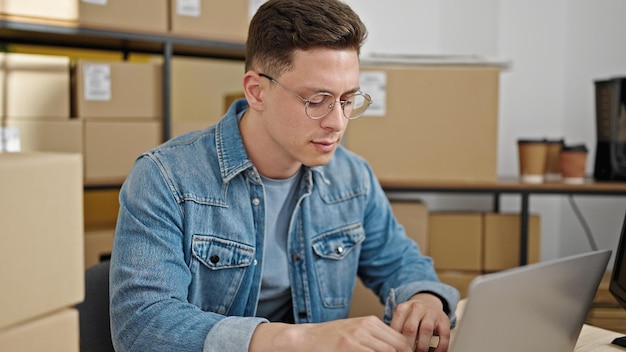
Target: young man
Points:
(249, 235)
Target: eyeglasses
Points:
(321, 104)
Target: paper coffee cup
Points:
(573, 161)
(553, 169)
(533, 155)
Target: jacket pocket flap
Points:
(337, 244)
(217, 253)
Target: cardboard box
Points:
(41, 247)
(128, 15)
(178, 128)
(56, 332)
(502, 241)
(104, 89)
(433, 122)
(365, 302)
(483, 242)
(112, 146)
(100, 208)
(34, 86)
(456, 240)
(213, 19)
(98, 246)
(458, 279)
(413, 215)
(201, 88)
(66, 10)
(50, 136)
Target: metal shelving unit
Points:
(69, 35)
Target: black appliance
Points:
(610, 163)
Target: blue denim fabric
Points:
(188, 251)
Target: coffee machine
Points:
(610, 162)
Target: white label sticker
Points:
(374, 83)
(10, 139)
(190, 8)
(95, 2)
(97, 82)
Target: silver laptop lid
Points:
(537, 307)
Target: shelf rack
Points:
(70, 35)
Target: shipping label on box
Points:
(117, 90)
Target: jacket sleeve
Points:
(391, 263)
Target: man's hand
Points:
(354, 334)
(420, 319)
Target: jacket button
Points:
(256, 201)
(214, 259)
(295, 257)
(339, 250)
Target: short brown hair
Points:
(282, 26)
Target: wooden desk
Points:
(591, 338)
(510, 185)
(594, 339)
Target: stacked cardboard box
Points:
(120, 106)
(413, 216)
(215, 19)
(100, 214)
(223, 20)
(464, 245)
(65, 10)
(202, 91)
(437, 122)
(41, 251)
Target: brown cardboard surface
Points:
(50, 136)
(456, 240)
(98, 244)
(502, 241)
(458, 279)
(135, 15)
(34, 86)
(111, 147)
(181, 127)
(440, 124)
(200, 88)
(217, 19)
(100, 208)
(365, 302)
(56, 332)
(66, 10)
(135, 91)
(414, 217)
(41, 247)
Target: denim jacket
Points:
(188, 250)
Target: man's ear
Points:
(253, 90)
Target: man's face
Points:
(293, 136)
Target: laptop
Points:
(537, 307)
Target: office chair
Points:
(95, 330)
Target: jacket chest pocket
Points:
(336, 262)
(218, 268)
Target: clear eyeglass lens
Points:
(319, 105)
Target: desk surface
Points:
(506, 184)
(591, 338)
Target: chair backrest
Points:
(95, 328)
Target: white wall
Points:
(557, 49)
